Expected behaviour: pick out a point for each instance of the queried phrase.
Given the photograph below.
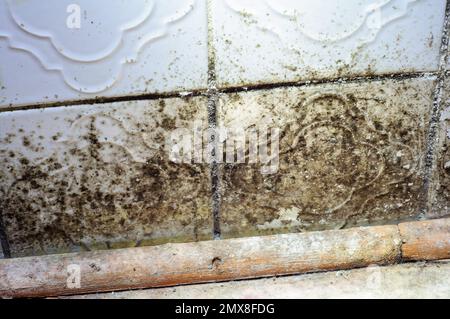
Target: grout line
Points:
(231, 89)
(213, 97)
(339, 80)
(103, 100)
(4, 239)
(434, 125)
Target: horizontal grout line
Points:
(339, 80)
(232, 89)
(103, 100)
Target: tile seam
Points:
(213, 96)
(234, 89)
(4, 238)
(339, 80)
(434, 125)
(103, 100)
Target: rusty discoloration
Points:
(350, 154)
(83, 178)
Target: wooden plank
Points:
(426, 240)
(209, 261)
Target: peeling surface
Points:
(94, 177)
(350, 154)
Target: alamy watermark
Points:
(254, 145)
(73, 20)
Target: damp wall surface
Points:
(91, 93)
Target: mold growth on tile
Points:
(268, 41)
(90, 177)
(349, 154)
(440, 184)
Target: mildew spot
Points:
(350, 154)
(440, 196)
(101, 178)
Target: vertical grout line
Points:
(213, 94)
(4, 239)
(435, 122)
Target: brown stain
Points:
(56, 207)
(350, 156)
(440, 188)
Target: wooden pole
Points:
(220, 260)
(426, 240)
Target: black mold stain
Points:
(55, 207)
(340, 166)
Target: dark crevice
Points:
(213, 95)
(4, 240)
(215, 181)
(103, 100)
(231, 89)
(434, 125)
(339, 80)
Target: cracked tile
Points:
(281, 41)
(100, 176)
(94, 49)
(349, 154)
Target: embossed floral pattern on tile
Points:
(101, 48)
(270, 41)
(349, 154)
(89, 177)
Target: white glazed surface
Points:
(120, 48)
(266, 41)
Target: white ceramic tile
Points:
(264, 41)
(120, 48)
(101, 176)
